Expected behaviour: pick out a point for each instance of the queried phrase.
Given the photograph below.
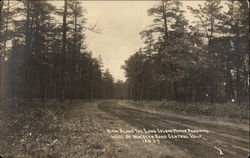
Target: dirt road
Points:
(223, 140)
(118, 129)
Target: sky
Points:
(120, 23)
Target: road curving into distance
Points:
(216, 141)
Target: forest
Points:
(189, 72)
(204, 60)
(45, 57)
(44, 54)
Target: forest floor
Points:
(117, 129)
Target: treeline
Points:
(44, 53)
(201, 60)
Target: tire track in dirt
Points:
(197, 148)
(132, 148)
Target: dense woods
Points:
(201, 60)
(44, 53)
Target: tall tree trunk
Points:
(238, 64)
(246, 84)
(39, 49)
(63, 53)
(165, 53)
(211, 80)
(197, 85)
(1, 22)
(7, 24)
(27, 77)
(211, 64)
(73, 75)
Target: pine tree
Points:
(237, 27)
(210, 18)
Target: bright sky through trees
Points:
(120, 23)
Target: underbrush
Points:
(228, 110)
(31, 129)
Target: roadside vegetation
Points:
(54, 130)
(203, 59)
(218, 110)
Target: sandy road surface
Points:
(80, 131)
(222, 140)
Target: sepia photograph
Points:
(124, 79)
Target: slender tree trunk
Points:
(63, 53)
(39, 49)
(197, 86)
(7, 24)
(211, 70)
(27, 54)
(211, 82)
(211, 63)
(238, 64)
(73, 75)
(229, 85)
(186, 91)
(165, 52)
(246, 84)
(1, 22)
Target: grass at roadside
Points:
(225, 110)
(55, 130)
(31, 130)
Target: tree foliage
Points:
(46, 55)
(204, 60)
